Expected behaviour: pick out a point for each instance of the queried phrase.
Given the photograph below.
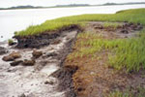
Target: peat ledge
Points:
(36, 41)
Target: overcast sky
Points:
(9, 3)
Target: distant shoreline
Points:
(70, 6)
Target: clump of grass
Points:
(118, 94)
(135, 16)
(10, 41)
(141, 93)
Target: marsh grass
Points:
(112, 25)
(92, 49)
(133, 15)
(10, 41)
(141, 93)
(129, 53)
(118, 94)
(125, 53)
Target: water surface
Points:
(16, 20)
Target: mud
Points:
(123, 30)
(3, 50)
(36, 81)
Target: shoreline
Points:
(70, 7)
(37, 75)
(78, 58)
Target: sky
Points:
(10, 3)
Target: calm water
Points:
(15, 20)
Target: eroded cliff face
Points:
(43, 39)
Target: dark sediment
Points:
(64, 74)
(3, 50)
(42, 39)
(66, 83)
(16, 63)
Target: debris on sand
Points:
(23, 95)
(50, 81)
(8, 58)
(15, 63)
(12, 56)
(28, 62)
(37, 54)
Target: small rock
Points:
(28, 62)
(23, 95)
(8, 58)
(50, 81)
(3, 50)
(37, 54)
(51, 54)
(15, 63)
(9, 70)
(12, 56)
(15, 55)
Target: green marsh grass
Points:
(133, 15)
(10, 41)
(111, 24)
(125, 53)
(141, 93)
(119, 94)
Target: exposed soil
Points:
(44, 38)
(123, 30)
(19, 80)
